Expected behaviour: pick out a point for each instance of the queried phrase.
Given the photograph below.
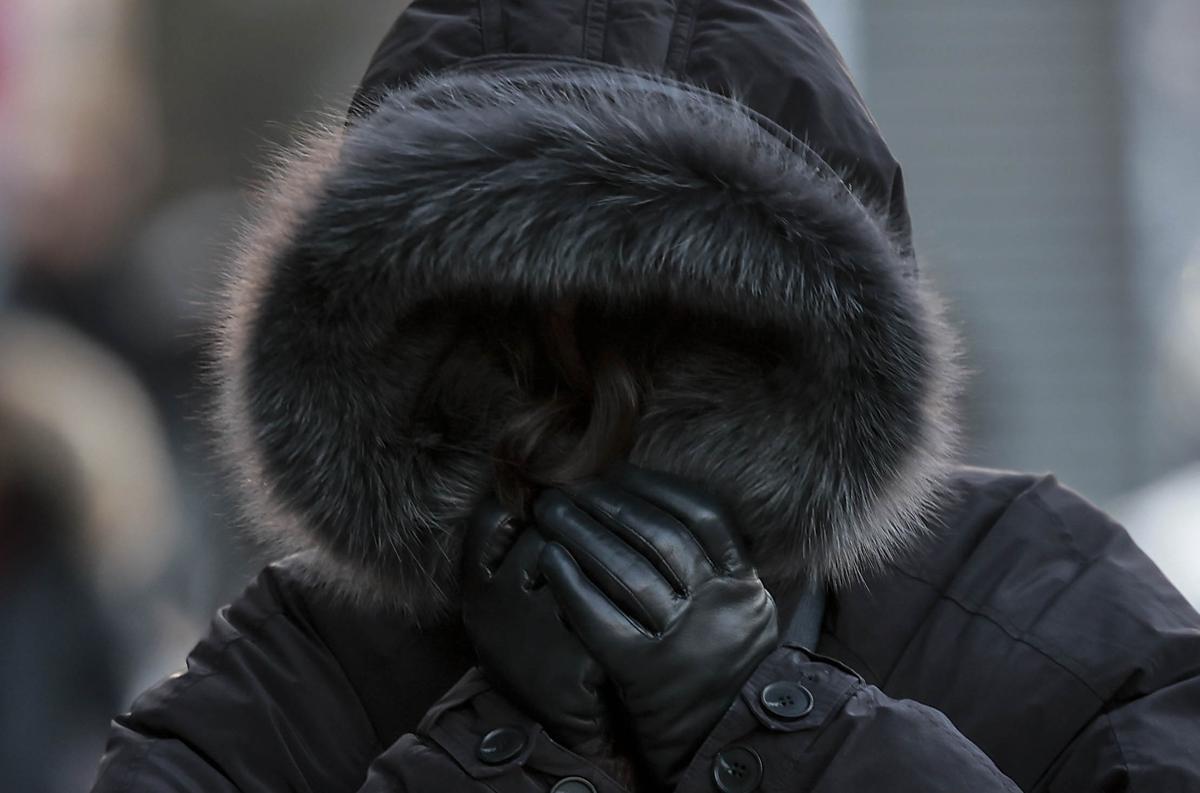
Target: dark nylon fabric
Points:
(772, 55)
(1029, 645)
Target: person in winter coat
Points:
(587, 387)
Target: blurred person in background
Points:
(91, 549)
(82, 157)
(56, 659)
(128, 537)
(95, 532)
(541, 248)
(96, 240)
(80, 147)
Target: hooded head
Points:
(711, 162)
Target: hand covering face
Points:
(521, 642)
(650, 572)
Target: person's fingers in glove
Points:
(709, 520)
(621, 572)
(677, 646)
(521, 642)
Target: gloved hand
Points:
(520, 640)
(651, 573)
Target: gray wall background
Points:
(1053, 180)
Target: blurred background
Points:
(1051, 154)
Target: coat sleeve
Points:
(805, 723)
(1151, 743)
(264, 705)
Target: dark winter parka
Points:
(983, 631)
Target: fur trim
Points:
(377, 244)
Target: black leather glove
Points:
(521, 642)
(651, 573)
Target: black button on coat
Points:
(737, 769)
(706, 162)
(787, 699)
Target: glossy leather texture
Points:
(522, 645)
(650, 571)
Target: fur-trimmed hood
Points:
(809, 384)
